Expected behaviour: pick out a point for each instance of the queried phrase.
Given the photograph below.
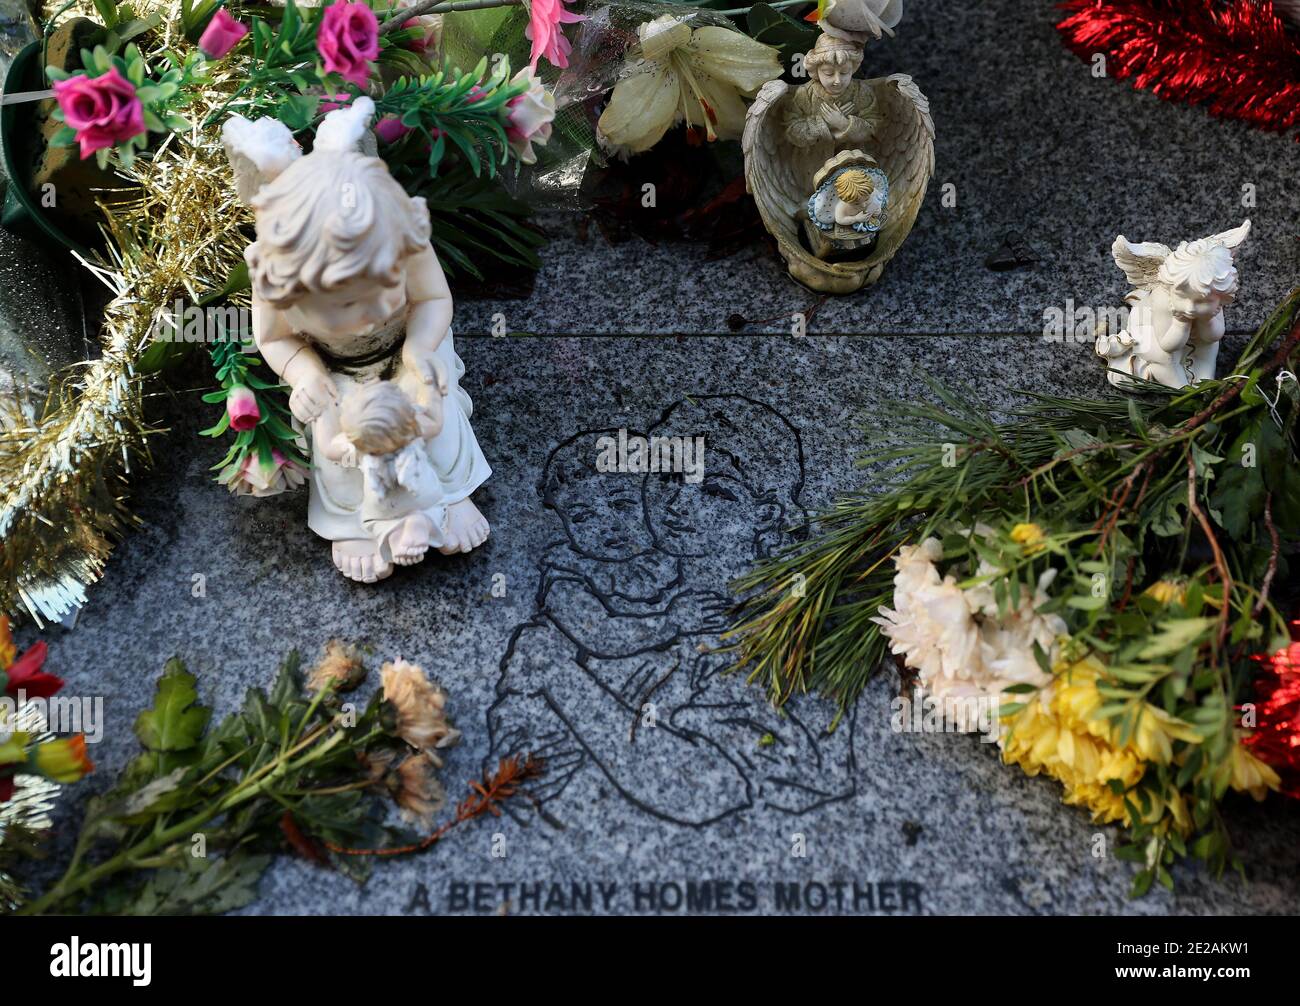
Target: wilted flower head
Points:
(420, 706)
(419, 793)
(339, 666)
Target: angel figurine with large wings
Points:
(840, 139)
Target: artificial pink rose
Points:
(103, 110)
(241, 407)
(529, 116)
(544, 20)
(221, 35)
(389, 129)
(348, 41)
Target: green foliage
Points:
(192, 822)
(455, 111)
(235, 364)
(1167, 518)
(773, 27)
(474, 224)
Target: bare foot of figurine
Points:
(467, 528)
(358, 560)
(411, 540)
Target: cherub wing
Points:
(768, 176)
(1140, 262)
(347, 128)
(904, 148)
(258, 151)
(1234, 238)
(775, 184)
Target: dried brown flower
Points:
(420, 794)
(340, 665)
(420, 706)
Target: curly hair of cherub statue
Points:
(1175, 319)
(854, 186)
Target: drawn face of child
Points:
(601, 512)
(607, 522)
(752, 466)
(357, 307)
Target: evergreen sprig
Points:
(459, 111)
(1166, 477)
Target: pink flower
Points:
(221, 35)
(544, 20)
(390, 129)
(250, 477)
(103, 110)
(241, 406)
(430, 28)
(529, 116)
(348, 40)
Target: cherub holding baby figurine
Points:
(848, 207)
(352, 310)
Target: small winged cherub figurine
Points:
(347, 291)
(797, 140)
(1175, 319)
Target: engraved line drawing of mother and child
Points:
(611, 678)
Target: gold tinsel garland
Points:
(177, 232)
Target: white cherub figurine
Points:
(860, 200)
(386, 435)
(347, 290)
(1175, 309)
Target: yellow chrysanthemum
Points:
(1029, 537)
(1065, 739)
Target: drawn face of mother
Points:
(753, 475)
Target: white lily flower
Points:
(700, 77)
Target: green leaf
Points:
(176, 722)
(1174, 635)
(772, 27)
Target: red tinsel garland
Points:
(1236, 56)
(1276, 737)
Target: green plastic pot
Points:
(22, 213)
